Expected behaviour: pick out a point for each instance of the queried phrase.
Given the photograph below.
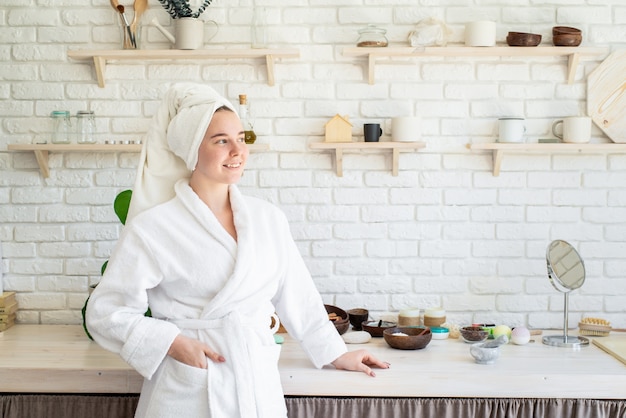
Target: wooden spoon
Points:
(139, 6)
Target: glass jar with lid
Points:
(61, 127)
(85, 127)
(372, 36)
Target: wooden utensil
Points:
(139, 6)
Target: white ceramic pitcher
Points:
(189, 32)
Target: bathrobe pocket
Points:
(267, 386)
(179, 390)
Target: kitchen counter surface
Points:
(60, 359)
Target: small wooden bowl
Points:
(567, 39)
(416, 337)
(376, 328)
(342, 323)
(560, 30)
(357, 317)
(523, 39)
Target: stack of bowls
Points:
(566, 36)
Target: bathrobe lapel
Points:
(241, 251)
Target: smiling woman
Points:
(214, 265)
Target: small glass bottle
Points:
(85, 127)
(244, 115)
(259, 28)
(61, 127)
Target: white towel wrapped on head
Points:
(170, 148)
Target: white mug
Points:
(405, 129)
(480, 33)
(575, 129)
(511, 130)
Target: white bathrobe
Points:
(197, 280)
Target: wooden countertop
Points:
(60, 359)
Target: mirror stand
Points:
(566, 271)
(565, 340)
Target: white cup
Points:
(405, 129)
(575, 129)
(511, 130)
(480, 33)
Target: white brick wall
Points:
(444, 232)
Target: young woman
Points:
(212, 265)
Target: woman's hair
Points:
(224, 107)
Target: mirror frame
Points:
(555, 275)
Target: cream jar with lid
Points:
(409, 317)
(434, 317)
(439, 333)
(372, 36)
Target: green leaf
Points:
(121, 205)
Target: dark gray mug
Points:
(372, 132)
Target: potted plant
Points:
(179, 9)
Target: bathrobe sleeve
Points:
(115, 311)
(301, 309)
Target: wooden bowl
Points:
(560, 30)
(357, 317)
(416, 337)
(342, 322)
(523, 39)
(376, 328)
(473, 335)
(567, 39)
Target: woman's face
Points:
(223, 152)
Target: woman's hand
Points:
(193, 352)
(360, 361)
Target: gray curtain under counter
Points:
(123, 406)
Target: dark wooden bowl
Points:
(523, 39)
(357, 317)
(560, 30)
(376, 328)
(342, 323)
(567, 39)
(416, 338)
(473, 335)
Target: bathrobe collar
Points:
(241, 251)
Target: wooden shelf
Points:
(498, 149)
(574, 54)
(102, 57)
(41, 150)
(340, 147)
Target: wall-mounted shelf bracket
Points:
(339, 147)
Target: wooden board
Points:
(615, 346)
(606, 96)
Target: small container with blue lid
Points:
(439, 333)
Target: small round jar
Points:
(372, 36)
(434, 317)
(409, 317)
(439, 333)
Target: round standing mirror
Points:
(566, 271)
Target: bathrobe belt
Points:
(238, 355)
